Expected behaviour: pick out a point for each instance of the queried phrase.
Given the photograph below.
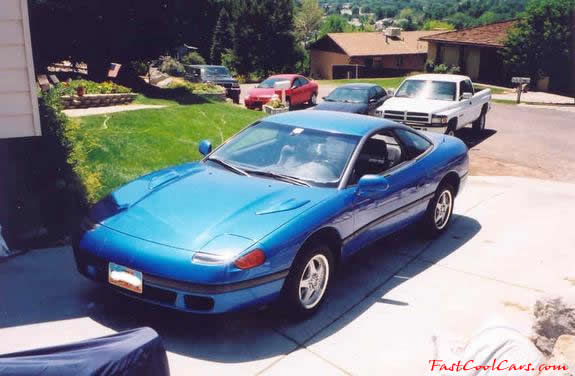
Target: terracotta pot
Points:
(80, 91)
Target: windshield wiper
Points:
(228, 165)
(286, 178)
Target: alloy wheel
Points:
(443, 209)
(313, 281)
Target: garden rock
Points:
(554, 316)
(563, 355)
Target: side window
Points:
(379, 153)
(303, 81)
(295, 83)
(415, 145)
(372, 93)
(380, 92)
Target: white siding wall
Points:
(18, 103)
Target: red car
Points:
(300, 90)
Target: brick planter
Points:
(97, 100)
(272, 111)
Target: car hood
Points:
(261, 92)
(188, 206)
(355, 108)
(416, 105)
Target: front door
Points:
(384, 211)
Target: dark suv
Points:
(217, 74)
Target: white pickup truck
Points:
(437, 103)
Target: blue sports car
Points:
(270, 213)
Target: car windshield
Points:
(268, 148)
(346, 94)
(216, 72)
(435, 90)
(271, 82)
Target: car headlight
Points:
(438, 119)
(379, 113)
(202, 258)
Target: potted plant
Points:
(275, 106)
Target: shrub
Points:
(172, 67)
(198, 87)
(91, 87)
(72, 144)
(444, 68)
(140, 67)
(193, 58)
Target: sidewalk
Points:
(536, 97)
(78, 112)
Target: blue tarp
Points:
(133, 352)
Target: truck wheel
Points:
(479, 124)
(451, 128)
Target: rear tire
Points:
(451, 129)
(307, 284)
(288, 104)
(439, 211)
(479, 124)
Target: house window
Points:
(399, 60)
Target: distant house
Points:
(355, 22)
(375, 54)
(474, 50)
(19, 115)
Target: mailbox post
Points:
(521, 83)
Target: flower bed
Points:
(94, 94)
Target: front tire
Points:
(439, 211)
(308, 282)
(313, 99)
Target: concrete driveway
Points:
(510, 242)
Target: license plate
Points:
(125, 277)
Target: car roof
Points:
(290, 76)
(359, 85)
(439, 77)
(331, 121)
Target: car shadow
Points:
(472, 139)
(259, 334)
(44, 287)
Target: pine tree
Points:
(223, 37)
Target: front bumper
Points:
(233, 93)
(256, 102)
(428, 127)
(188, 296)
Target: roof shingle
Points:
(492, 35)
(375, 43)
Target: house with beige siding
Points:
(18, 102)
(369, 54)
(474, 50)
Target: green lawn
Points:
(387, 83)
(118, 147)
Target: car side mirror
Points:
(205, 147)
(372, 100)
(369, 184)
(466, 96)
(391, 92)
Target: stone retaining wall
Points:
(97, 100)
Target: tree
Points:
(223, 37)
(193, 58)
(308, 21)
(437, 25)
(100, 32)
(539, 44)
(334, 24)
(460, 20)
(264, 40)
(487, 18)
